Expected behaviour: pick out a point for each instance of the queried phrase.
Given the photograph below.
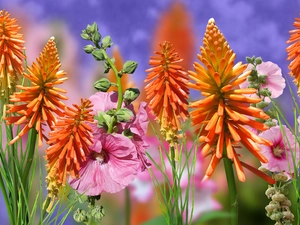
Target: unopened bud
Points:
(258, 60)
(96, 37)
(88, 48)
(288, 215)
(102, 85)
(130, 95)
(129, 67)
(272, 206)
(98, 54)
(80, 216)
(270, 192)
(124, 115)
(276, 216)
(97, 212)
(265, 92)
(106, 42)
(262, 105)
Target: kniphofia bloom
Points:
(69, 145)
(294, 53)
(167, 90)
(11, 54)
(41, 100)
(221, 117)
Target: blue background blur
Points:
(256, 27)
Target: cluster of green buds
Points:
(278, 208)
(92, 214)
(256, 81)
(110, 119)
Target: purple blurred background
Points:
(256, 27)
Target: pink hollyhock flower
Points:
(111, 166)
(275, 81)
(104, 101)
(280, 155)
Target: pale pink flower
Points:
(275, 81)
(280, 155)
(111, 166)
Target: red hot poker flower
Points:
(167, 90)
(42, 99)
(222, 117)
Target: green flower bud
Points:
(265, 92)
(85, 36)
(97, 212)
(124, 115)
(249, 60)
(276, 216)
(129, 67)
(258, 60)
(102, 85)
(127, 133)
(262, 79)
(92, 28)
(106, 67)
(263, 169)
(88, 49)
(253, 73)
(270, 123)
(262, 105)
(251, 78)
(96, 37)
(130, 95)
(98, 54)
(104, 120)
(80, 216)
(253, 85)
(106, 42)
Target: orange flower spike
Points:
(167, 90)
(69, 145)
(221, 116)
(70, 133)
(294, 53)
(42, 99)
(11, 53)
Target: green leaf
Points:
(158, 220)
(211, 215)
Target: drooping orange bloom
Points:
(167, 90)
(294, 53)
(222, 117)
(69, 145)
(175, 26)
(11, 53)
(41, 99)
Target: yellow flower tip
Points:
(211, 21)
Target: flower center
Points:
(101, 157)
(278, 151)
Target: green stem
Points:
(127, 206)
(7, 203)
(29, 160)
(177, 214)
(118, 78)
(232, 190)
